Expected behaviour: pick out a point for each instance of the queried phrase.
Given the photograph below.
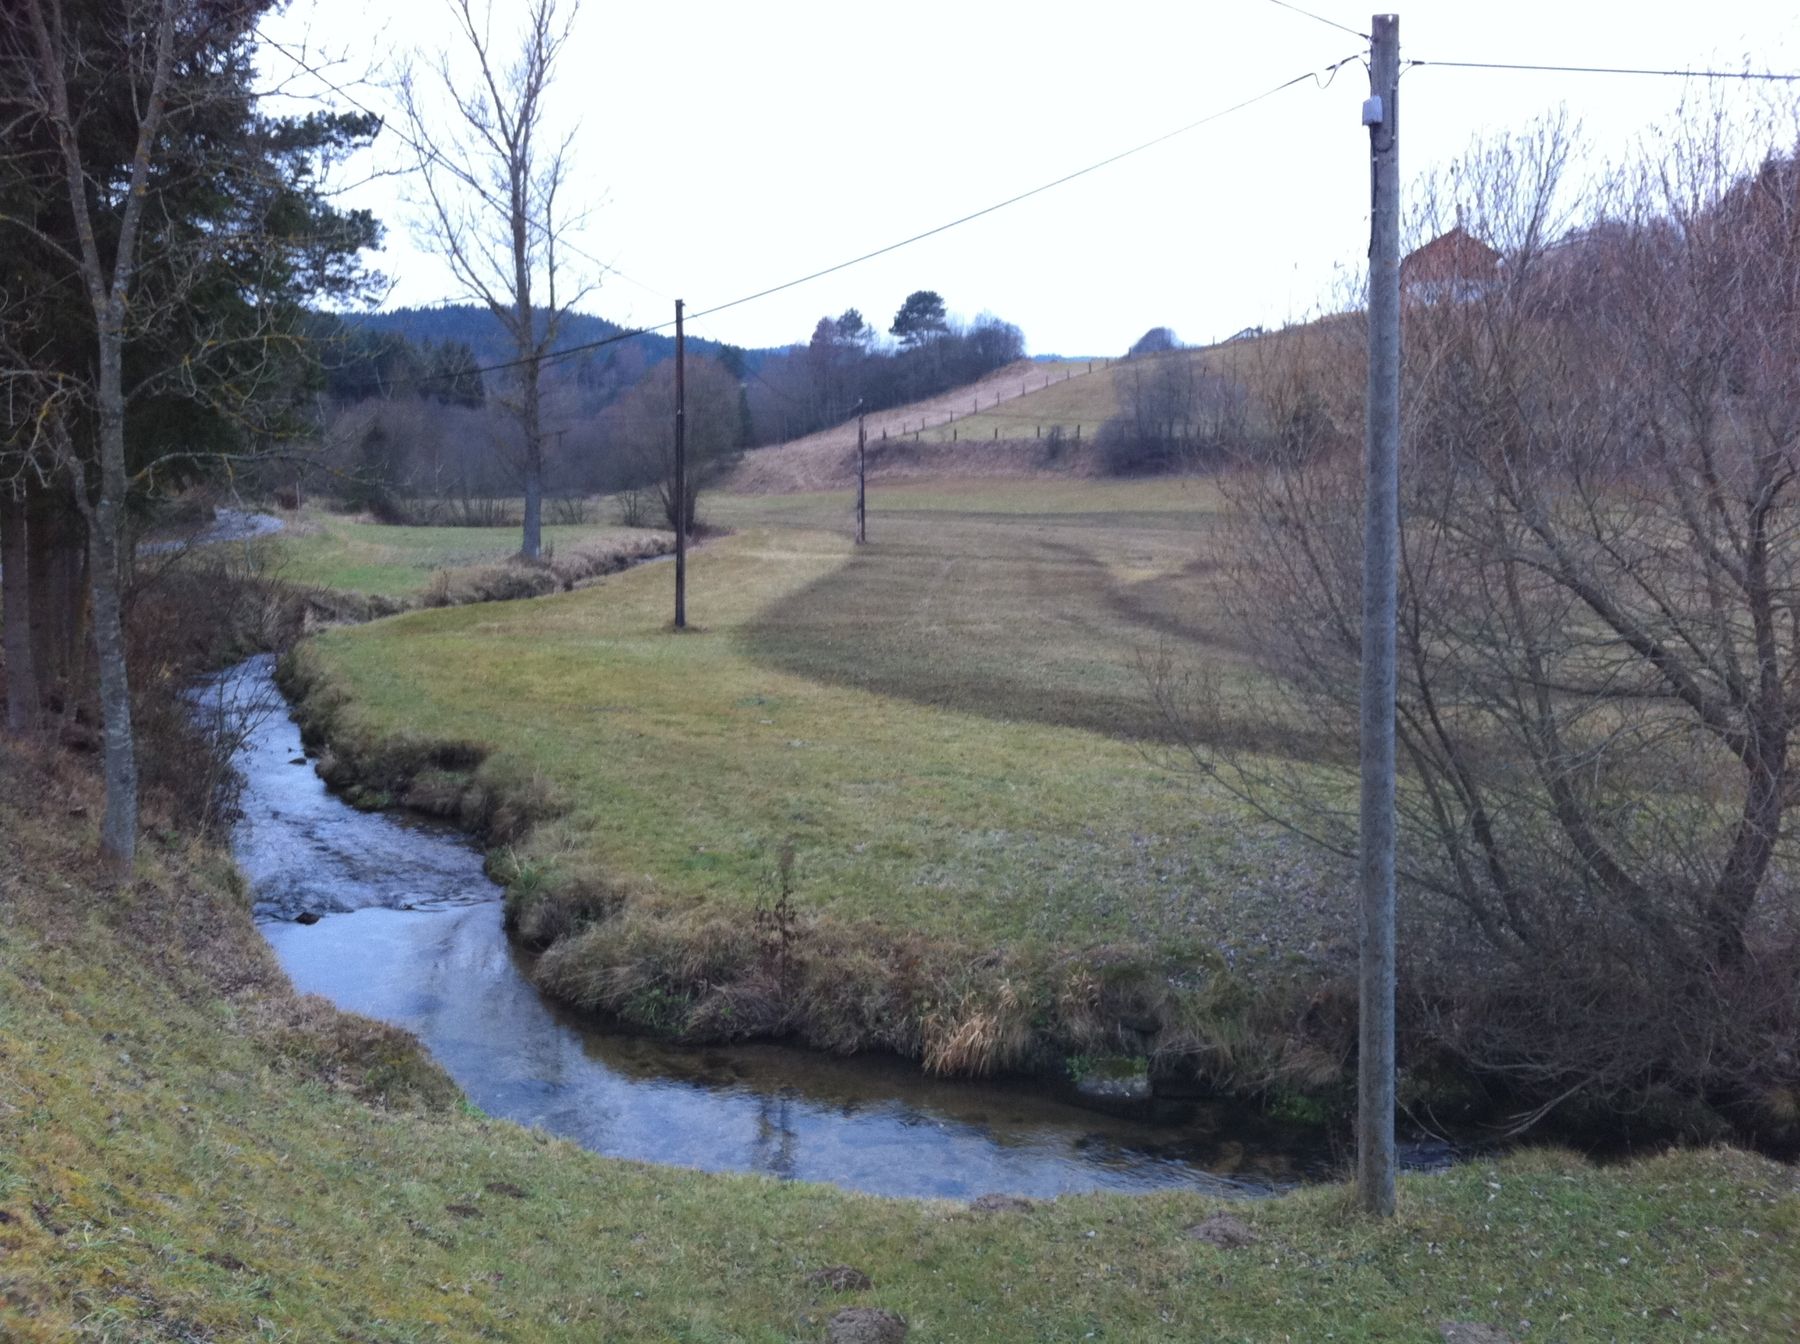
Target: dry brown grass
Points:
(827, 460)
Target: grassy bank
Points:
(189, 1152)
(445, 566)
(995, 866)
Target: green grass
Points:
(371, 559)
(949, 724)
(188, 1152)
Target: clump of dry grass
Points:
(695, 973)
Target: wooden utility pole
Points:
(1381, 549)
(681, 498)
(862, 478)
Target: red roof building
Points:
(1456, 266)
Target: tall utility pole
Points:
(862, 473)
(681, 499)
(1381, 549)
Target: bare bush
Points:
(633, 506)
(570, 510)
(186, 617)
(641, 429)
(1599, 630)
(1177, 415)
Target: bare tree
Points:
(492, 176)
(1599, 626)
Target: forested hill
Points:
(478, 329)
(785, 392)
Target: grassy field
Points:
(331, 551)
(1068, 395)
(823, 460)
(946, 723)
(1007, 425)
(189, 1152)
(997, 863)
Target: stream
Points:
(409, 931)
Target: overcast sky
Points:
(728, 147)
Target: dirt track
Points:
(826, 459)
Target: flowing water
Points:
(410, 932)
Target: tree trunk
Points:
(533, 543)
(23, 703)
(118, 830)
(530, 411)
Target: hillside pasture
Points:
(827, 460)
(1031, 419)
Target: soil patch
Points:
(1232, 1234)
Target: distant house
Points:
(1453, 267)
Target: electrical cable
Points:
(1021, 196)
(1320, 18)
(551, 356)
(1612, 70)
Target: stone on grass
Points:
(866, 1325)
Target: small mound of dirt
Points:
(840, 1279)
(462, 1210)
(1225, 1232)
(866, 1325)
(508, 1189)
(1001, 1204)
(224, 1260)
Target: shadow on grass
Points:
(1012, 622)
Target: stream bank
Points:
(409, 929)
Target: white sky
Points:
(733, 146)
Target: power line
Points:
(565, 352)
(1024, 195)
(1612, 70)
(1320, 18)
